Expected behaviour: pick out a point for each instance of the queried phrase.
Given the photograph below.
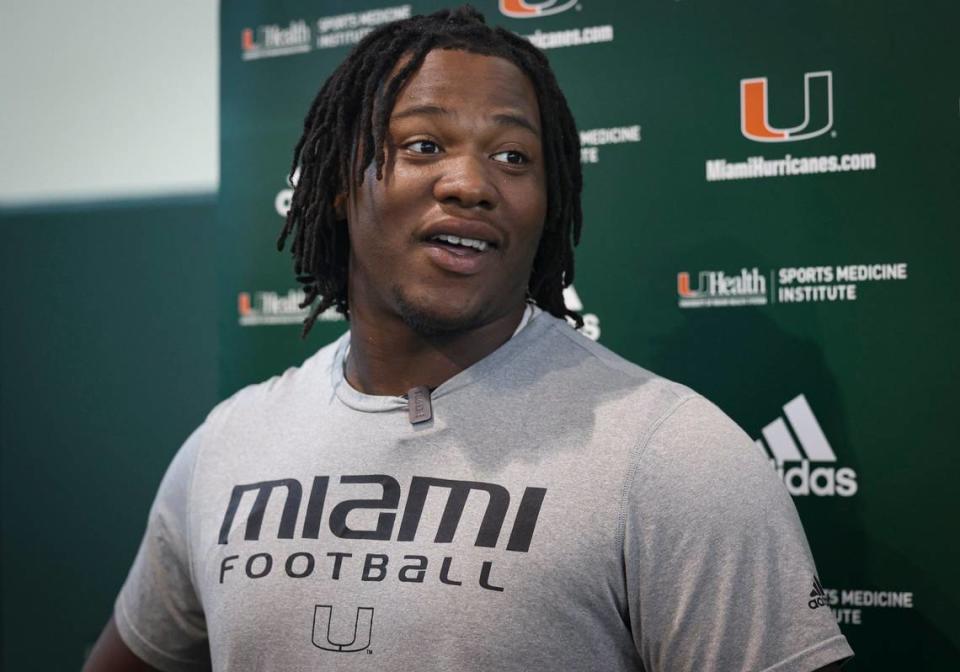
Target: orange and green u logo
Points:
(523, 9)
(683, 286)
(246, 39)
(817, 109)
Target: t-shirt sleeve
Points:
(719, 573)
(158, 612)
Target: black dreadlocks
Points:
(353, 109)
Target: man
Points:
(462, 482)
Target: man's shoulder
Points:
(629, 410)
(589, 370)
(295, 385)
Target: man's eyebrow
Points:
(517, 120)
(503, 118)
(418, 110)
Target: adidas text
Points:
(800, 479)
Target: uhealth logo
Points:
(822, 481)
(273, 308)
(716, 288)
(523, 9)
(817, 109)
(271, 40)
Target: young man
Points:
(463, 481)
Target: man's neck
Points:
(387, 357)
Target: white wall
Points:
(107, 99)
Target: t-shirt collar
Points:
(532, 325)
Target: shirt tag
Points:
(418, 403)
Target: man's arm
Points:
(710, 536)
(158, 611)
(110, 654)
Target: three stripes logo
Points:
(785, 438)
(360, 639)
(818, 598)
(524, 9)
(817, 109)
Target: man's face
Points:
(464, 162)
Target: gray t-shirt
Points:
(563, 509)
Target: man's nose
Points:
(466, 181)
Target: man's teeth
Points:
(479, 245)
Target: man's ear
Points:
(340, 206)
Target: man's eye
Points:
(424, 147)
(511, 156)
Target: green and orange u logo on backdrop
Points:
(522, 9)
(817, 109)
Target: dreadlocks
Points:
(352, 110)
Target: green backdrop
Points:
(719, 249)
(809, 290)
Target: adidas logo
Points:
(800, 431)
(818, 598)
(591, 323)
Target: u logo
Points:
(246, 39)
(524, 9)
(362, 630)
(817, 109)
(683, 286)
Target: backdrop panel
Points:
(771, 213)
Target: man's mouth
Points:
(459, 255)
(462, 246)
(457, 243)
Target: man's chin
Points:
(430, 320)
